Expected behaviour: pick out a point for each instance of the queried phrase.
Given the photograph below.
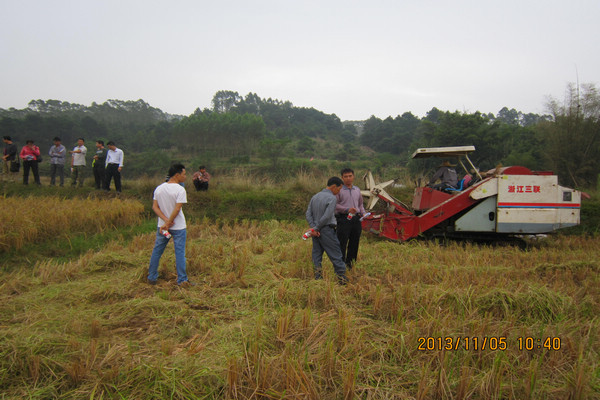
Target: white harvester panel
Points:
(482, 218)
(535, 204)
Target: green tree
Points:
(272, 149)
(573, 138)
(224, 100)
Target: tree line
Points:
(247, 129)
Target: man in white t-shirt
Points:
(168, 201)
(78, 163)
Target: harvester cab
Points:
(501, 203)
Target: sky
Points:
(351, 58)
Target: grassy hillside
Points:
(257, 325)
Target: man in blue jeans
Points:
(169, 198)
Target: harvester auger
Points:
(501, 203)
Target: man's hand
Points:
(167, 226)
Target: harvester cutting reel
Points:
(374, 192)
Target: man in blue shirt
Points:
(321, 218)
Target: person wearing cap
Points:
(447, 176)
(57, 154)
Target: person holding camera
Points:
(30, 154)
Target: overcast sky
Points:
(351, 58)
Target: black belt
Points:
(110, 163)
(332, 226)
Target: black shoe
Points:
(318, 274)
(342, 280)
(151, 282)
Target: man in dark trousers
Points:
(58, 154)
(29, 154)
(98, 165)
(321, 218)
(348, 210)
(114, 165)
(9, 156)
(201, 178)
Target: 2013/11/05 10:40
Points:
(493, 343)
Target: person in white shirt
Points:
(78, 163)
(169, 198)
(114, 164)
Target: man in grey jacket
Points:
(321, 218)
(57, 154)
(447, 175)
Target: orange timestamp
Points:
(492, 343)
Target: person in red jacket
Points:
(29, 155)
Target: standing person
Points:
(201, 178)
(321, 218)
(58, 154)
(9, 156)
(114, 164)
(98, 165)
(78, 163)
(169, 198)
(447, 175)
(29, 155)
(348, 210)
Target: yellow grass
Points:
(35, 219)
(257, 325)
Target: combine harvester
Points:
(501, 205)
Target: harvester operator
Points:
(447, 175)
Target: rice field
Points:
(33, 219)
(417, 321)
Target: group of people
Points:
(106, 164)
(334, 216)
